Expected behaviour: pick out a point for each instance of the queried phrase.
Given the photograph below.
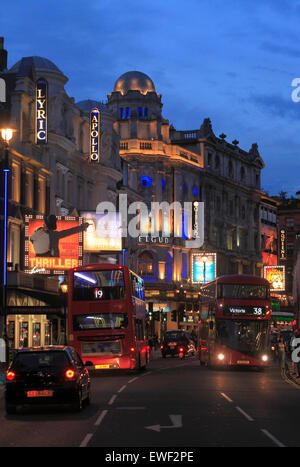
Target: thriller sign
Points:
(95, 135)
(41, 91)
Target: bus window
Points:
(98, 285)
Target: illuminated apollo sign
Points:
(95, 135)
(41, 91)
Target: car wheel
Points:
(10, 409)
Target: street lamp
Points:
(204, 259)
(6, 134)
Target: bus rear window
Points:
(100, 321)
(244, 291)
(98, 285)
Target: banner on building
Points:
(53, 244)
(95, 129)
(276, 276)
(204, 267)
(104, 232)
(41, 111)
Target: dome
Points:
(23, 66)
(134, 81)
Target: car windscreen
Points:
(98, 285)
(100, 321)
(37, 360)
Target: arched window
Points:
(146, 266)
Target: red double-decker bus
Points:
(106, 317)
(235, 317)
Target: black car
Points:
(47, 375)
(175, 340)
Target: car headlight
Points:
(221, 356)
(265, 358)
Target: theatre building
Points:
(51, 183)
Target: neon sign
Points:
(41, 111)
(95, 135)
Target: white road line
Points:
(133, 379)
(112, 400)
(131, 408)
(226, 397)
(100, 418)
(86, 440)
(275, 440)
(245, 414)
(122, 388)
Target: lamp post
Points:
(6, 134)
(204, 259)
(64, 290)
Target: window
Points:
(122, 115)
(98, 285)
(145, 113)
(127, 112)
(146, 181)
(140, 112)
(289, 222)
(146, 264)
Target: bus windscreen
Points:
(100, 321)
(243, 291)
(98, 285)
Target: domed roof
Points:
(23, 66)
(134, 81)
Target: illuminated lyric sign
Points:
(204, 267)
(282, 244)
(41, 96)
(95, 135)
(53, 244)
(276, 276)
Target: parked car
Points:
(173, 341)
(47, 375)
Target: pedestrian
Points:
(281, 351)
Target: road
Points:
(172, 404)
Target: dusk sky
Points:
(232, 61)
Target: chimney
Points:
(3, 55)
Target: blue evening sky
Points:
(232, 61)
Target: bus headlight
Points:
(221, 356)
(265, 358)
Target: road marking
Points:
(122, 388)
(86, 440)
(245, 414)
(133, 379)
(226, 397)
(175, 419)
(100, 418)
(275, 440)
(131, 408)
(112, 400)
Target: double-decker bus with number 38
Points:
(106, 317)
(235, 317)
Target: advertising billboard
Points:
(204, 267)
(104, 232)
(276, 276)
(53, 244)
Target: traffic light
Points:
(181, 313)
(174, 315)
(164, 317)
(150, 311)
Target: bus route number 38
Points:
(258, 311)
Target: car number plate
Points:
(101, 367)
(44, 393)
(243, 362)
(172, 344)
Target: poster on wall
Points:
(276, 276)
(204, 267)
(104, 231)
(53, 244)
